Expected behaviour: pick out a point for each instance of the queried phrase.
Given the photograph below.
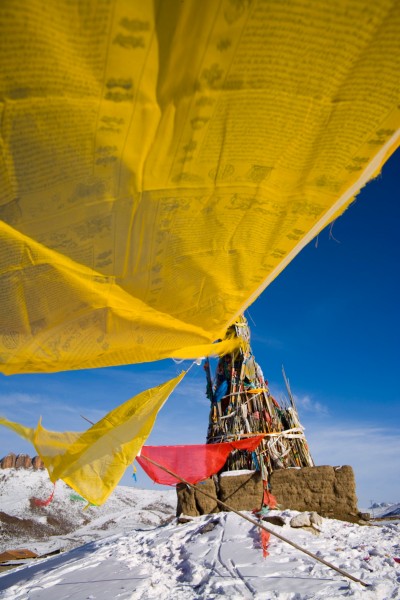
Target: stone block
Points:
(206, 505)
(186, 501)
(193, 503)
(301, 520)
(242, 492)
(329, 491)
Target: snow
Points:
(144, 553)
(126, 509)
(237, 473)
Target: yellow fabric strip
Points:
(93, 462)
(88, 311)
(162, 162)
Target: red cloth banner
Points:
(193, 463)
(46, 501)
(265, 536)
(268, 498)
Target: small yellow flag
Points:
(93, 462)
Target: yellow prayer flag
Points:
(162, 162)
(93, 462)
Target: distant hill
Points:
(384, 509)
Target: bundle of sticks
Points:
(242, 405)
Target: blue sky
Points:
(331, 318)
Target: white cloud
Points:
(307, 404)
(17, 398)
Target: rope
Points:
(257, 524)
(294, 433)
(277, 448)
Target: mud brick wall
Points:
(329, 491)
(242, 492)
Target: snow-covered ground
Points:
(66, 523)
(140, 551)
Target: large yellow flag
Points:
(93, 462)
(162, 161)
